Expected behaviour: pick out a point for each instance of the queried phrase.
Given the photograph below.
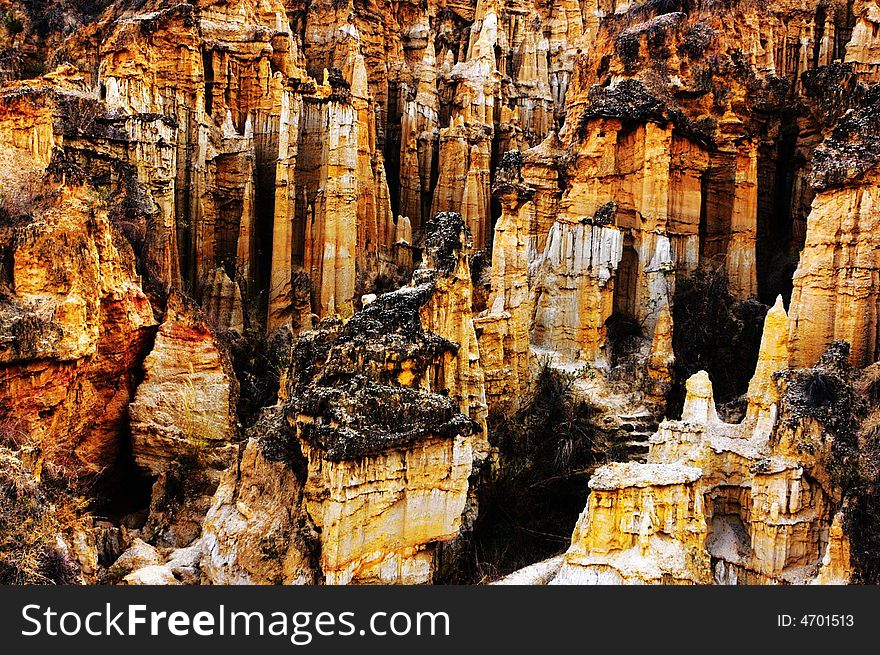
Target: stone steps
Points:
(635, 431)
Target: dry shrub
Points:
(13, 433)
(19, 200)
(34, 516)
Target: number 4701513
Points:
(816, 621)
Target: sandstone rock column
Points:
(836, 568)
(449, 314)
(863, 49)
(504, 330)
(742, 271)
(378, 513)
(661, 359)
(333, 234)
(699, 404)
(836, 289)
(573, 23)
(418, 142)
(466, 145)
(574, 289)
(535, 108)
(652, 180)
(281, 271)
(763, 394)
(540, 171)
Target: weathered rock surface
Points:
(378, 513)
(390, 414)
(151, 575)
(183, 422)
(735, 502)
(138, 556)
(75, 323)
(256, 531)
(184, 408)
(836, 292)
(370, 462)
(504, 328)
(644, 524)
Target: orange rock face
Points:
(75, 326)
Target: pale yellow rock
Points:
(504, 329)
(574, 289)
(139, 555)
(835, 290)
(644, 524)
(863, 49)
(836, 567)
(463, 185)
(420, 126)
(699, 405)
(151, 575)
(379, 515)
(742, 268)
(788, 521)
(288, 108)
(763, 393)
(185, 406)
(268, 542)
(765, 503)
(222, 301)
(661, 358)
(466, 144)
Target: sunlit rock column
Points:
(661, 359)
(331, 237)
(836, 291)
(574, 289)
(504, 329)
(378, 512)
(289, 110)
(466, 145)
(763, 393)
(742, 269)
(836, 568)
(863, 49)
(449, 314)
